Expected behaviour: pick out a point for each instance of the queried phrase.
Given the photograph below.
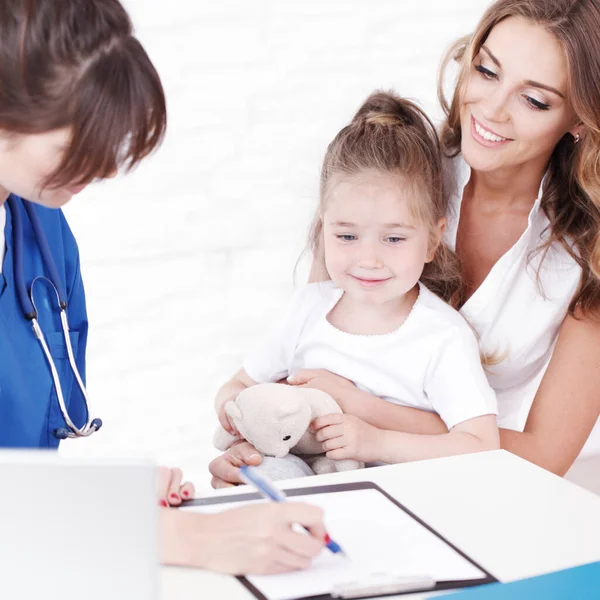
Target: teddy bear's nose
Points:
(286, 438)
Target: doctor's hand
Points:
(334, 385)
(225, 469)
(170, 489)
(347, 436)
(257, 539)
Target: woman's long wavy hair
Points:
(394, 137)
(571, 192)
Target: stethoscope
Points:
(31, 314)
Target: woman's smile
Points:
(486, 137)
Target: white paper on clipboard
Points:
(378, 537)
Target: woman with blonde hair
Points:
(522, 137)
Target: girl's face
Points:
(375, 249)
(515, 107)
(26, 161)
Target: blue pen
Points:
(267, 488)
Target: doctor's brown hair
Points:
(76, 64)
(571, 192)
(392, 136)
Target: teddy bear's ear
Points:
(233, 410)
(285, 409)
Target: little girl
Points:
(381, 320)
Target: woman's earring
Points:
(576, 138)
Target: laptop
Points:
(75, 529)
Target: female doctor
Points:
(522, 136)
(79, 98)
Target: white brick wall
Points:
(185, 259)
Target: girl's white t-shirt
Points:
(430, 362)
(519, 308)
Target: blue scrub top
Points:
(29, 410)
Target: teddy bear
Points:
(275, 419)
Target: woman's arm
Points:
(346, 436)
(475, 435)
(385, 415)
(255, 539)
(567, 404)
(564, 411)
(371, 409)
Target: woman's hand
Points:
(347, 436)
(170, 489)
(225, 469)
(257, 539)
(334, 385)
(260, 539)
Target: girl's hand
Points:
(347, 436)
(226, 423)
(320, 379)
(170, 489)
(225, 469)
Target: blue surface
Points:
(29, 410)
(576, 583)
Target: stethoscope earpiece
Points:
(61, 433)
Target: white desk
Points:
(514, 519)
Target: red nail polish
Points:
(185, 493)
(163, 503)
(174, 497)
(327, 538)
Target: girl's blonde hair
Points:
(571, 192)
(394, 137)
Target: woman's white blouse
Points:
(517, 311)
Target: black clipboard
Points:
(347, 487)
